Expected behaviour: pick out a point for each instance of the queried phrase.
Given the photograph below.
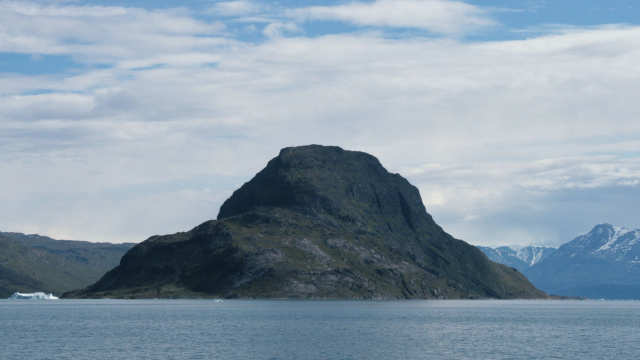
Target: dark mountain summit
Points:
(317, 222)
(337, 186)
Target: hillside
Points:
(316, 222)
(30, 263)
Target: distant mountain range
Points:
(604, 263)
(31, 263)
(521, 259)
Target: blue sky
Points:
(517, 120)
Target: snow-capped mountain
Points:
(607, 242)
(520, 259)
(604, 263)
(532, 254)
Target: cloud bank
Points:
(160, 114)
(445, 17)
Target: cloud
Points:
(438, 16)
(47, 106)
(234, 8)
(132, 219)
(277, 29)
(497, 135)
(99, 34)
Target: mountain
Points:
(316, 222)
(30, 263)
(533, 254)
(521, 259)
(604, 263)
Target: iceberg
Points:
(33, 296)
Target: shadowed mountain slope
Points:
(316, 222)
(30, 263)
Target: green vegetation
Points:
(30, 263)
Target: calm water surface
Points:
(289, 329)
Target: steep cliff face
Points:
(351, 187)
(317, 222)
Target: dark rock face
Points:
(315, 180)
(317, 222)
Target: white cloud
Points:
(130, 219)
(439, 16)
(529, 196)
(100, 34)
(495, 134)
(277, 29)
(47, 106)
(234, 8)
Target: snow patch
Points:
(533, 254)
(617, 233)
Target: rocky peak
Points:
(329, 182)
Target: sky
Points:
(517, 120)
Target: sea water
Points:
(310, 329)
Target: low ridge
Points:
(31, 263)
(316, 222)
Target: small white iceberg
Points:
(33, 296)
